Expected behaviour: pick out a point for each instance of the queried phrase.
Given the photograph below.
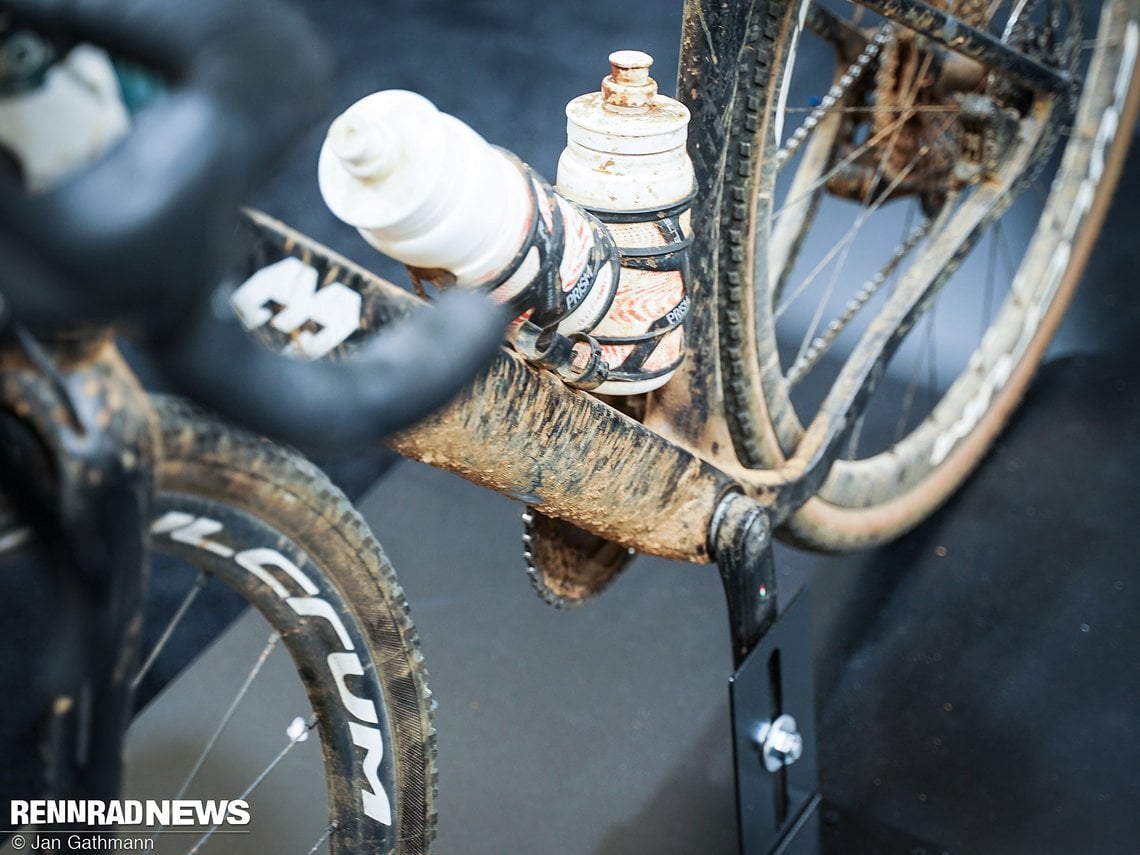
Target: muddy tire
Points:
(883, 486)
(292, 546)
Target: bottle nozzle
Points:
(629, 84)
(365, 146)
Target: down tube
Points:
(523, 433)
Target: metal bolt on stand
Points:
(779, 742)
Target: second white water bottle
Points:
(625, 162)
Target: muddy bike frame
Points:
(672, 484)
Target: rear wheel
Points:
(881, 189)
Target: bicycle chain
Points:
(735, 232)
(741, 416)
(537, 579)
(822, 343)
(835, 94)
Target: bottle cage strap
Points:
(645, 215)
(559, 353)
(661, 327)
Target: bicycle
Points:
(720, 455)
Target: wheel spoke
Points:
(853, 231)
(821, 344)
(848, 159)
(908, 101)
(1014, 16)
(1006, 253)
(328, 832)
(917, 286)
(912, 384)
(270, 645)
(821, 305)
(991, 273)
(978, 45)
(187, 601)
(294, 738)
(835, 94)
(856, 435)
(918, 108)
(985, 137)
(793, 219)
(932, 384)
(811, 347)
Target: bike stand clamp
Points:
(772, 692)
(773, 730)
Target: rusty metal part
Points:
(969, 41)
(985, 133)
(919, 87)
(865, 181)
(914, 89)
(436, 277)
(566, 565)
(905, 81)
(957, 73)
(628, 85)
(913, 154)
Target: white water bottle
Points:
(427, 190)
(625, 162)
(64, 122)
(424, 188)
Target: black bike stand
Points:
(772, 692)
(779, 810)
(773, 730)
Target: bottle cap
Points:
(628, 115)
(628, 86)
